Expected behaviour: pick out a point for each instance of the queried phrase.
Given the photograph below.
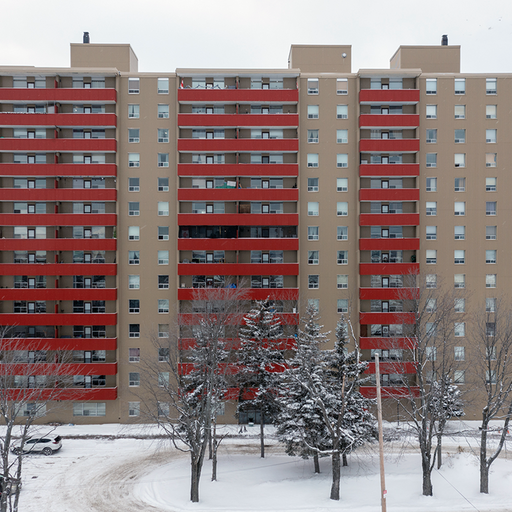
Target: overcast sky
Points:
(170, 34)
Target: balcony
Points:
(389, 170)
(58, 294)
(236, 145)
(57, 170)
(396, 367)
(245, 96)
(390, 391)
(228, 170)
(58, 244)
(57, 120)
(238, 219)
(389, 293)
(238, 120)
(195, 319)
(389, 244)
(386, 318)
(387, 343)
(389, 96)
(59, 145)
(58, 194)
(58, 318)
(56, 269)
(389, 194)
(396, 121)
(389, 145)
(62, 369)
(235, 343)
(403, 269)
(240, 293)
(74, 394)
(238, 269)
(237, 244)
(238, 194)
(58, 219)
(389, 219)
(58, 95)
(58, 344)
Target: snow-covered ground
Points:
(142, 472)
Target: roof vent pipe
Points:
(444, 40)
(87, 40)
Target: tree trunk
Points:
(484, 468)
(195, 475)
(316, 462)
(439, 448)
(345, 461)
(214, 461)
(427, 480)
(210, 445)
(336, 475)
(262, 433)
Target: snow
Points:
(116, 472)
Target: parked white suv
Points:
(45, 445)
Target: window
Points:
(163, 111)
(134, 111)
(312, 136)
(459, 209)
(490, 136)
(312, 184)
(342, 257)
(163, 159)
(342, 136)
(163, 305)
(459, 280)
(133, 208)
(460, 86)
(431, 232)
(313, 209)
(431, 159)
(163, 355)
(133, 306)
(490, 256)
(312, 257)
(134, 355)
(431, 136)
(134, 379)
(459, 329)
(341, 184)
(490, 208)
(460, 111)
(133, 409)
(459, 353)
(133, 86)
(460, 184)
(163, 332)
(133, 160)
(431, 85)
(313, 233)
(431, 280)
(341, 208)
(313, 111)
(490, 159)
(459, 376)
(163, 208)
(313, 281)
(163, 184)
(134, 330)
(460, 136)
(459, 257)
(490, 111)
(342, 305)
(163, 282)
(341, 86)
(312, 159)
(342, 160)
(163, 257)
(431, 112)
(431, 256)
(133, 257)
(312, 85)
(490, 305)
(163, 379)
(163, 232)
(342, 233)
(460, 159)
(490, 86)
(431, 208)
(89, 409)
(431, 184)
(490, 232)
(431, 353)
(341, 111)
(133, 135)
(133, 233)
(460, 232)
(490, 281)
(133, 185)
(163, 86)
(163, 409)
(134, 282)
(162, 135)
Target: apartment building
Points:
(124, 194)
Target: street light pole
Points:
(383, 490)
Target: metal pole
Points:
(381, 437)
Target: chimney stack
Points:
(444, 40)
(87, 41)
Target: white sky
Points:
(170, 34)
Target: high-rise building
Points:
(123, 193)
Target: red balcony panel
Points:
(389, 194)
(58, 95)
(403, 367)
(58, 344)
(227, 96)
(389, 145)
(387, 343)
(58, 219)
(58, 194)
(404, 269)
(85, 170)
(390, 391)
(58, 294)
(58, 369)
(58, 319)
(238, 219)
(228, 170)
(389, 219)
(238, 194)
(236, 145)
(388, 170)
(58, 244)
(62, 394)
(235, 343)
(366, 317)
(389, 244)
(60, 145)
(195, 319)
(389, 293)
(240, 294)
(238, 120)
(237, 244)
(389, 96)
(238, 269)
(57, 269)
(389, 120)
(58, 120)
